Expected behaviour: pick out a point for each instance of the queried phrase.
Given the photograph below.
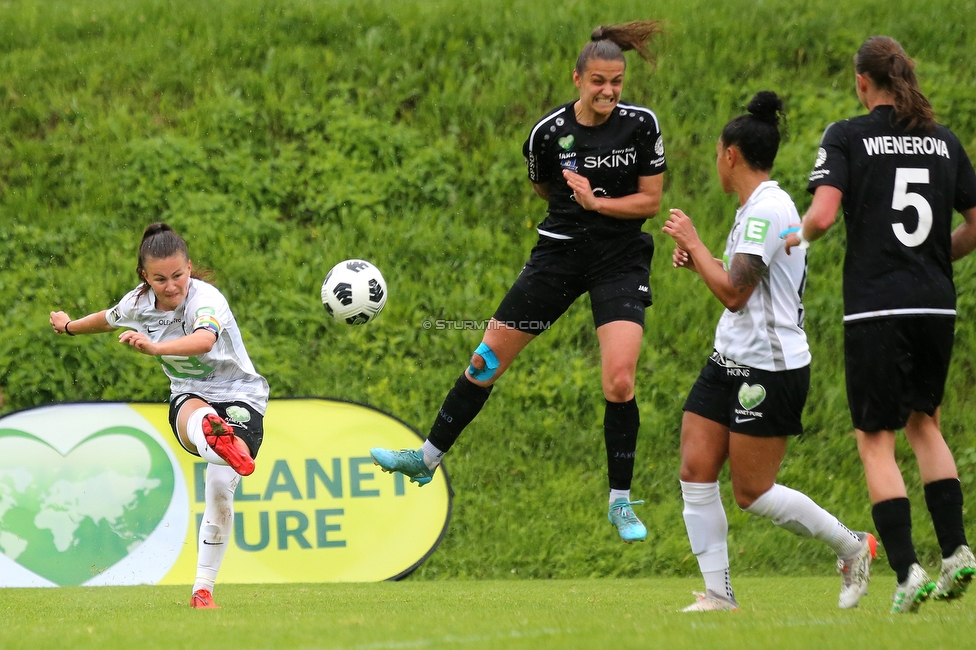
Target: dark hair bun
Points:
(766, 106)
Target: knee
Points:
(221, 484)
(746, 495)
(876, 448)
(744, 500)
(618, 387)
(693, 471)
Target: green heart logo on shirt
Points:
(68, 517)
(751, 396)
(566, 142)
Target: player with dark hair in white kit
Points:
(749, 397)
(217, 401)
(899, 175)
(598, 162)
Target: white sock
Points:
(797, 513)
(432, 455)
(194, 431)
(619, 494)
(708, 531)
(217, 524)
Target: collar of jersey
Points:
(762, 187)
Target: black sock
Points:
(944, 501)
(621, 420)
(462, 404)
(893, 519)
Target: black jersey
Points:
(900, 188)
(611, 156)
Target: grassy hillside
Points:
(282, 137)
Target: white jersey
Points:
(225, 374)
(767, 333)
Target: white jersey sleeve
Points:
(759, 233)
(207, 310)
(130, 311)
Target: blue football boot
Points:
(409, 462)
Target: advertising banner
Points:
(103, 494)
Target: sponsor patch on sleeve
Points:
(756, 230)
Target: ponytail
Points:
(884, 61)
(608, 43)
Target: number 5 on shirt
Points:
(902, 199)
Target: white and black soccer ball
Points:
(354, 292)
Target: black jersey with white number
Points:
(900, 188)
(611, 156)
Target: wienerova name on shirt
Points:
(905, 144)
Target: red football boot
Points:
(203, 599)
(222, 440)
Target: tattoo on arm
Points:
(746, 271)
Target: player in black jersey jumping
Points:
(599, 164)
(899, 176)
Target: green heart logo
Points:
(751, 396)
(566, 142)
(68, 517)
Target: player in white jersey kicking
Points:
(749, 397)
(899, 176)
(218, 400)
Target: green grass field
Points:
(776, 613)
(282, 136)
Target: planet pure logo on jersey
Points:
(82, 503)
(99, 494)
(566, 142)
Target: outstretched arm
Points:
(91, 324)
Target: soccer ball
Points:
(354, 292)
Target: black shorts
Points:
(248, 425)
(755, 402)
(895, 366)
(614, 271)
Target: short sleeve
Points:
(207, 310)
(831, 165)
(536, 160)
(758, 235)
(965, 183)
(650, 148)
(125, 314)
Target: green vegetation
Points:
(777, 613)
(282, 137)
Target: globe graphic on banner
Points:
(69, 517)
